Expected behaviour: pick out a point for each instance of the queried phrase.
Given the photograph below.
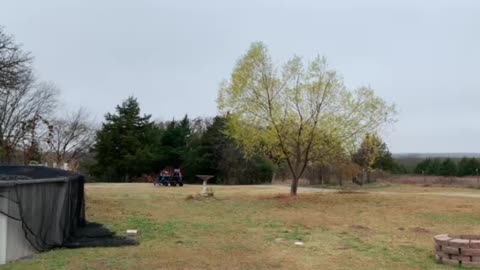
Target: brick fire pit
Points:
(458, 250)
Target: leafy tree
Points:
(285, 112)
(377, 151)
(368, 154)
(123, 146)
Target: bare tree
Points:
(15, 66)
(72, 136)
(23, 103)
(21, 110)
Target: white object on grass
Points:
(298, 243)
(132, 232)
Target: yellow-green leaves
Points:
(300, 112)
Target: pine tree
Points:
(423, 166)
(385, 160)
(123, 146)
(448, 168)
(174, 142)
(468, 166)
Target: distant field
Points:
(252, 227)
(468, 182)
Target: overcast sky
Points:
(422, 55)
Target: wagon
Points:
(169, 181)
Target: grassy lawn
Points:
(254, 228)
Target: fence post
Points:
(476, 170)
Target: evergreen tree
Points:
(385, 160)
(434, 167)
(423, 166)
(430, 166)
(123, 146)
(468, 166)
(217, 154)
(174, 142)
(207, 151)
(448, 168)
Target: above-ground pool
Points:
(40, 208)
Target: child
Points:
(177, 173)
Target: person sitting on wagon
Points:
(178, 174)
(163, 176)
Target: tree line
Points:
(448, 167)
(298, 119)
(130, 145)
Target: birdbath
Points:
(205, 179)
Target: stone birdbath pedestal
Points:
(205, 179)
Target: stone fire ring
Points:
(458, 250)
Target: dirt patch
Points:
(351, 192)
(285, 199)
(420, 230)
(464, 206)
(360, 228)
(199, 197)
(344, 247)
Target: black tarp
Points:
(50, 205)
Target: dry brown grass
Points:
(469, 182)
(255, 227)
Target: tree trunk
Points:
(274, 174)
(293, 188)
(8, 155)
(364, 175)
(58, 163)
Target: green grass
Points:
(249, 228)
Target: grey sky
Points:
(172, 55)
